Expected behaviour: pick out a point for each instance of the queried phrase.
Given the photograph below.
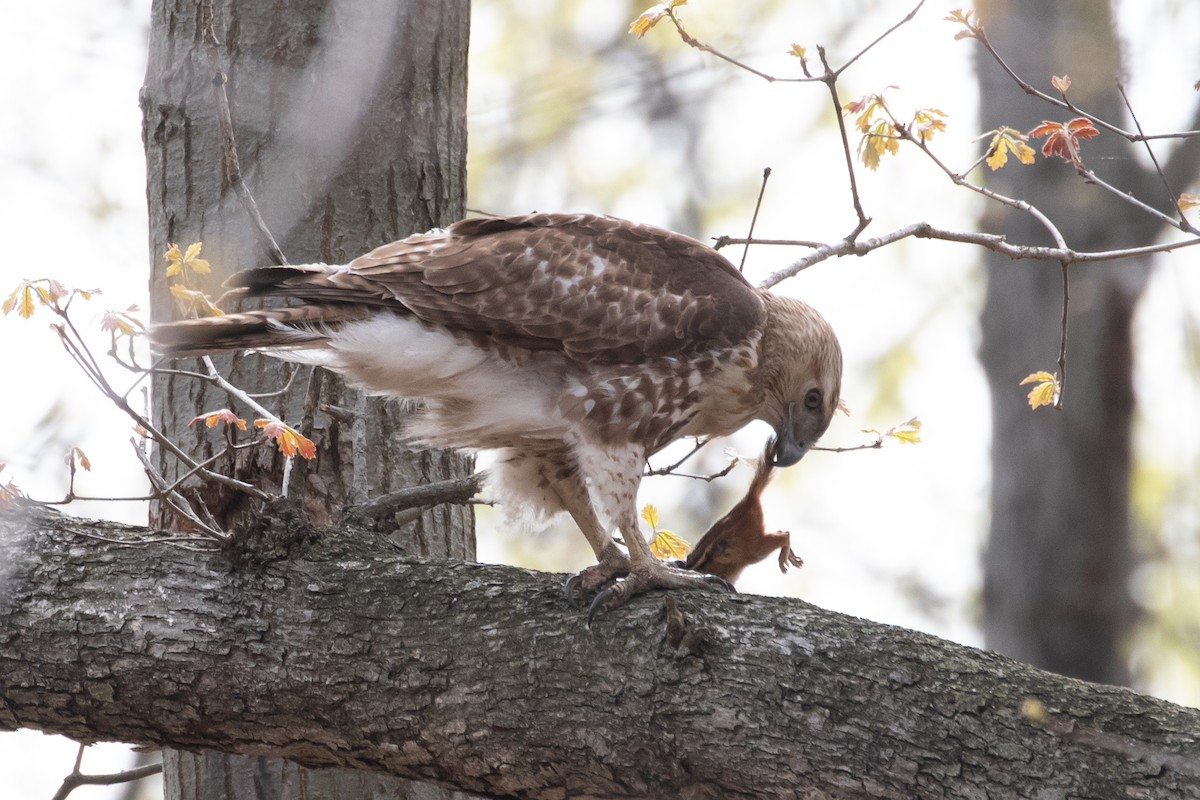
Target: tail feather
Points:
(269, 329)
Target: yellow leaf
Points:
(25, 304)
(1043, 393)
(667, 545)
(648, 19)
(196, 302)
(908, 432)
(1188, 201)
(178, 262)
(842, 407)
(797, 51)
(1005, 141)
(650, 514)
(1033, 710)
(1038, 377)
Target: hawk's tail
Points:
(301, 327)
(304, 327)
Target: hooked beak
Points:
(787, 450)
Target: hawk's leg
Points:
(616, 478)
(612, 563)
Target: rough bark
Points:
(349, 120)
(328, 648)
(1059, 553)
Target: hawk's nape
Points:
(574, 345)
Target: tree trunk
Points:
(1059, 555)
(328, 648)
(350, 125)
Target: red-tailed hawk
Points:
(574, 345)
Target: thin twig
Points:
(1062, 341)
(754, 220)
(990, 241)
(830, 80)
(697, 445)
(457, 491)
(233, 168)
(77, 778)
(979, 34)
(1137, 123)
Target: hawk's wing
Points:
(598, 288)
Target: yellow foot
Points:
(649, 576)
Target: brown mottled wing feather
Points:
(598, 288)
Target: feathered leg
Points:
(611, 562)
(615, 476)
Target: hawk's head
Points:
(802, 371)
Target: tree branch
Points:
(330, 650)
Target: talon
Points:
(600, 601)
(594, 578)
(648, 577)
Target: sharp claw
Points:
(720, 583)
(598, 602)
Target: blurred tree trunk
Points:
(350, 124)
(1059, 552)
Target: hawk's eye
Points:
(812, 400)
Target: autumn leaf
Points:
(196, 302)
(1061, 84)
(926, 122)
(1005, 141)
(1044, 391)
(667, 545)
(1033, 710)
(907, 432)
(76, 456)
(842, 407)
(664, 543)
(21, 299)
(797, 51)
(179, 262)
(1188, 201)
(287, 439)
(214, 418)
(1062, 138)
(966, 19)
(650, 17)
(122, 323)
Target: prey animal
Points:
(740, 538)
(573, 345)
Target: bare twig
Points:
(458, 491)
(233, 168)
(754, 219)
(1062, 339)
(77, 778)
(830, 80)
(1059, 102)
(989, 241)
(697, 446)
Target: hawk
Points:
(574, 345)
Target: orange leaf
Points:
(1062, 138)
(76, 455)
(214, 418)
(287, 439)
